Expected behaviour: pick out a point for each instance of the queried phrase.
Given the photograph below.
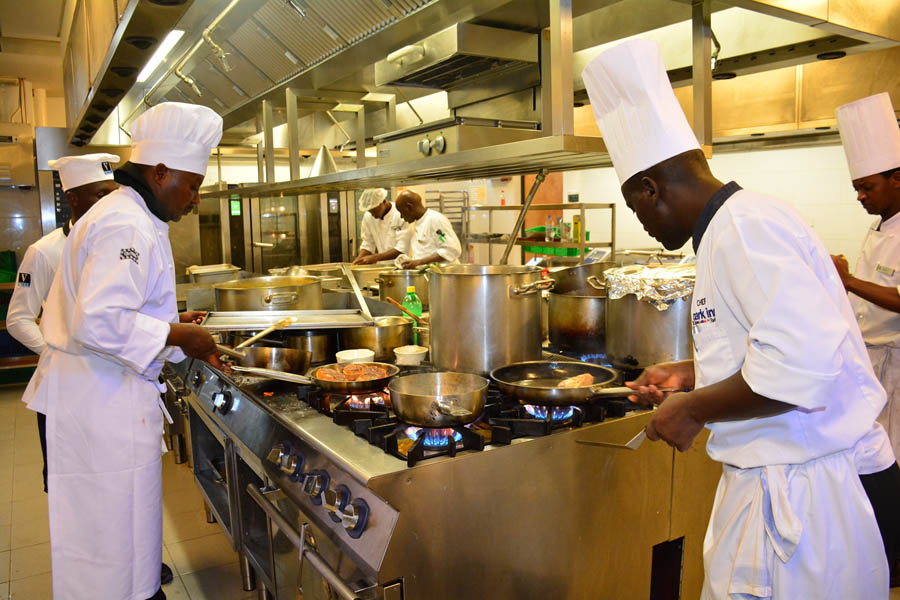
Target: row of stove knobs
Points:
(353, 514)
(437, 145)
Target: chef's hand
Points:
(843, 269)
(411, 264)
(674, 423)
(218, 363)
(678, 375)
(195, 341)
(192, 316)
(368, 259)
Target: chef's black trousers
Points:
(883, 490)
(42, 433)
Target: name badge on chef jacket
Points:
(884, 270)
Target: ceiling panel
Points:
(305, 36)
(259, 47)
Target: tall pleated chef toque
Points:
(176, 134)
(371, 198)
(634, 105)
(76, 171)
(870, 135)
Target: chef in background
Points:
(431, 238)
(85, 179)
(780, 374)
(110, 322)
(385, 235)
(871, 141)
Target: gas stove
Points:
(384, 508)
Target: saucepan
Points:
(278, 359)
(438, 399)
(328, 385)
(536, 381)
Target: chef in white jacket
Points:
(85, 179)
(110, 322)
(431, 237)
(871, 140)
(780, 375)
(385, 235)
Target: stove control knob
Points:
(355, 517)
(314, 482)
(223, 402)
(292, 465)
(424, 146)
(439, 144)
(277, 452)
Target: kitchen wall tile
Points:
(20, 203)
(17, 233)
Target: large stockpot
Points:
(381, 338)
(393, 284)
(648, 314)
(578, 320)
(321, 344)
(270, 293)
(485, 316)
(575, 279)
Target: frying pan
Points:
(534, 382)
(335, 387)
(438, 399)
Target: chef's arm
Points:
(431, 258)
(368, 258)
(682, 416)
(885, 296)
(193, 339)
(25, 304)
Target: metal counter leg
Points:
(178, 447)
(210, 515)
(248, 575)
(263, 593)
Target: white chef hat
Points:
(371, 198)
(634, 105)
(176, 134)
(870, 135)
(75, 171)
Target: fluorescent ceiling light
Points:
(160, 54)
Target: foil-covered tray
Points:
(257, 320)
(660, 285)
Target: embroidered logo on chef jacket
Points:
(24, 280)
(885, 270)
(107, 169)
(129, 254)
(703, 314)
(440, 235)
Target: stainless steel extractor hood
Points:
(456, 55)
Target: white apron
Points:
(106, 321)
(791, 519)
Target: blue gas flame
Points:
(559, 413)
(434, 438)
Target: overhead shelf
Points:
(554, 153)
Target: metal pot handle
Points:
(595, 282)
(444, 408)
(298, 539)
(280, 298)
(531, 288)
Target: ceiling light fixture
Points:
(160, 55)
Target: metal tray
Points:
(251, 320)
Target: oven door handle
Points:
(299, 540)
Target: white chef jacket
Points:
(431, 233)
(106, 322)
(768, 302)
(879, 262)
(388, 233)
(32, 286)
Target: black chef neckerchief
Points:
(130, 174)
(713, 205)
(67, 227)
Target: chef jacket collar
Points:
(129, 174)
(892, 223)
(713, 205)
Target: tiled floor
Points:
(205, 567)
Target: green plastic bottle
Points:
(412, 303)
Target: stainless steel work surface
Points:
(305, 319)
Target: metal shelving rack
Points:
(582, 244)
(452, 204)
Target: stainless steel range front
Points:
(516, 506)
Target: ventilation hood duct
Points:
(324, 163)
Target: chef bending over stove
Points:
(385, 235)
(432, 239)
(780, 373)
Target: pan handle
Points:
(613, 392)
(531, 288)
(595, 282)
(449, 410)
(280, 298)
